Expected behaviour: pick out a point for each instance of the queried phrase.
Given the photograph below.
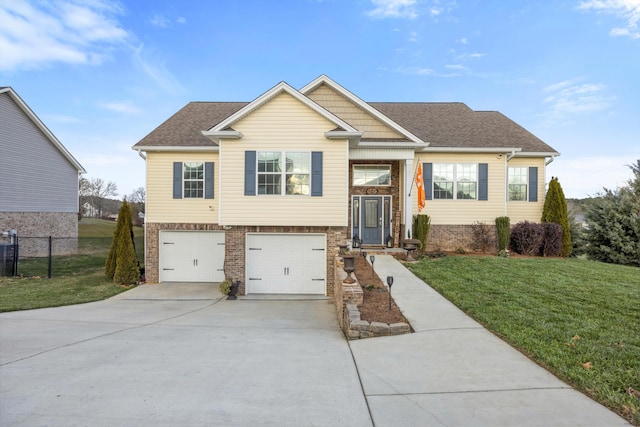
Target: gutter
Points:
(174, 148)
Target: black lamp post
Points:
(373, 259)
(355, 242)
(389, 282)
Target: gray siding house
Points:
(38, 175)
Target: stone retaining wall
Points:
(349, 297)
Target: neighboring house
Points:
(38, 176)
(264, 192)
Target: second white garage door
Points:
(191, 256)
(286, 263)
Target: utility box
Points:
(8, 259)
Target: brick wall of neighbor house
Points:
(452, 237)
(34, 228)
(152, 241)
(235, 249)
(393, 190)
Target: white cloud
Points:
(628, 10)
(125, 107)
(394, 9)
(413, 37)
(418, 71)
(35, 34)
(160, 21)
(569, 97)
(155, 68)
(181, 20)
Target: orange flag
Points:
(420, 185)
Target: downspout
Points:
(141, 154)
(548, 162)
(506, 181)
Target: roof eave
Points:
(537, 154)
(471, 150)
(214, 136)
(159, 148)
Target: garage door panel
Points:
(191, 256)
(286, 263)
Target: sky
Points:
(103, 74)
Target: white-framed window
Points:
(455, 181)
(284, 172)
(193, 180)
(372, 175)
(518, 182)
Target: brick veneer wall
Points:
(234, 266)
(235, 250)
(36, 227)
(452, 237)
(152, 243)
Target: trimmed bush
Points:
(527, 238)
(127, 271)
(421, 227)
(503, 226)
(482, 239)
(552, 242)
(555, 210)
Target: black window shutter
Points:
(483, 181)
(316, 173)
(208, 180)
(427, 172)
(533, 184)
(250, 173)
(177, 180)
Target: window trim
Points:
(208, 180)
(526, 183)
(380, 165)
(283, 173)
(457, 179)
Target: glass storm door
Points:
(371, 222)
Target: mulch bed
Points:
(375, 307)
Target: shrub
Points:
(527, 238)
(482, 239)
(552, 241)
(555, 210)
(225, 287)
(421, 227)
(503, 227)
(127, 271)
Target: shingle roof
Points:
(442, 125)
(454, 124)
(183, 129)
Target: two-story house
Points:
(264, 192)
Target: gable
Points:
(283, 117)
(362, 120)
(36, 176)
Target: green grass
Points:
(562, 313)
(75, 278)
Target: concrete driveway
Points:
(178, 355)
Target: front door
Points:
(371, 218)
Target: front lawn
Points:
(579, 319)
(76, 278)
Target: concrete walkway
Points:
(453, 372)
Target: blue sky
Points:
(103, 74)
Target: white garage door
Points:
(286, 263)
(191, 256)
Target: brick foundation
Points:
(34, 228)
(453, 237)
(235, 238)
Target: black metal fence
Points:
(51, 256)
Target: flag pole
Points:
(413, 180)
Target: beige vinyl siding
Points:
(352, 114)
(465, 212)
(529, 211)
(160, 204)
(284, 124)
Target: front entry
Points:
(371, 219)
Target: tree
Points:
(122, 264)
(137, 198)
(94, 191)
(555, 210)
(613, 219)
